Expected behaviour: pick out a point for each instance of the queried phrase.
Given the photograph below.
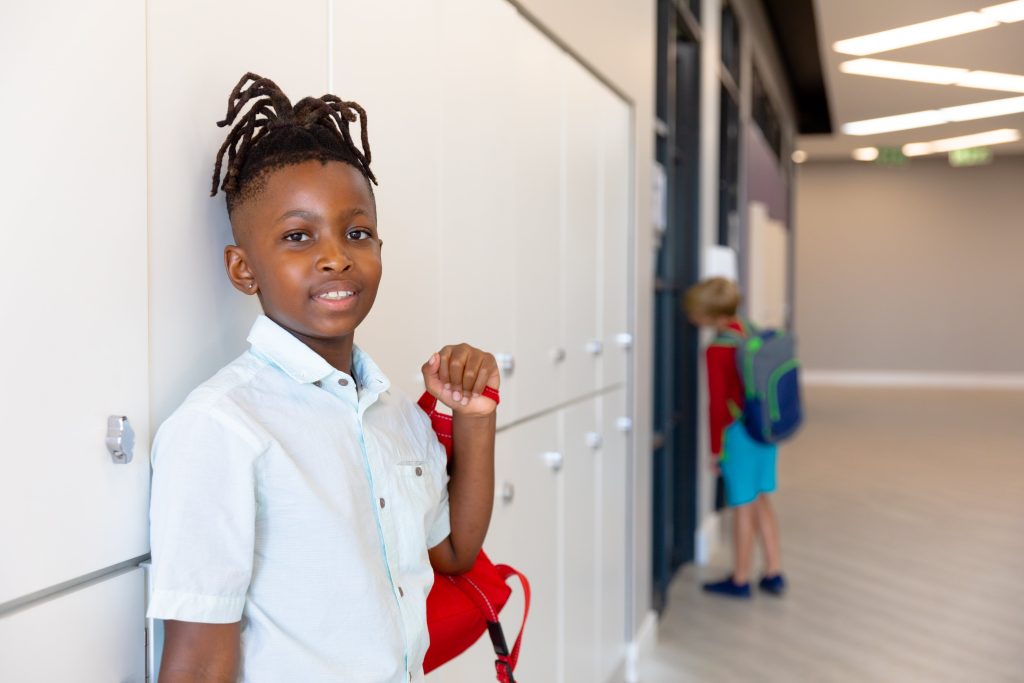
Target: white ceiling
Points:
(853, 98)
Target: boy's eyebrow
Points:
(315, 217)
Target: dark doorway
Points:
(674, 466)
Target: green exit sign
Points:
(973, 156)
(890, 156)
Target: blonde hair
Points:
(714, 297)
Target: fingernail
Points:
(465, 401)
(447, 387)
(457, 396)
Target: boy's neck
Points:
(337, 352)
(726, 323)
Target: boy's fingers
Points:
(456, 366)
(442, 372)
(471, 373)
(483, 375)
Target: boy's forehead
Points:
(311, 187)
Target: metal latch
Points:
(120, 439)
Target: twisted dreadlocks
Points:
(273, 134)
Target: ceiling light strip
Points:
(935, 117)
(992, 137)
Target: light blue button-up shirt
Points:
(300, 500)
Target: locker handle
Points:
(508, 493)
(120, 439)
(554, 460)
(594, 440)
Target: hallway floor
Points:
(902, 518)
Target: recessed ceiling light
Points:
(1006, 13)
(927, 73)
(990, 80)
(934, 117)
(904, 71)
(865, 153)
(799, 156)
(914, 34)
(983, 110)
(886, 124)
(992, 137)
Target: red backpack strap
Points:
(506, 572)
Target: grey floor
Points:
(902, 517)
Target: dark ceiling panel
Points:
(796, 34)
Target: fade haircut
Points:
(273, 134)
(713, 298)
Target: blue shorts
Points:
(748, 467)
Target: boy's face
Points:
(308, 245)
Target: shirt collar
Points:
(303, 364)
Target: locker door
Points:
(538, 186)
(73, 278)
(399, 92)
(479, 278)
(580, 622)
(92, 635)
(523, 533)
(197, 51)
(616, 177)
(611, 550)
(581, 228)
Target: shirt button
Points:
(343, 382)
(419, 471)
(401, 593)
(382, 503)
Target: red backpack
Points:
(461, 607)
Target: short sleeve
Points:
(202, 518)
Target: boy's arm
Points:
(200, 653)
(457, 377)
(718, 360)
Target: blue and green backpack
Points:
(767, 365)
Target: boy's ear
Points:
(237, 265)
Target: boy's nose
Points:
(333, 256)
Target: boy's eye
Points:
(296, 237)
(360, 234)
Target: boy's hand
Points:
(457, 375)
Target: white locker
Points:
(616, 181)
(580, 621)
(524, 533)
(95, 634)
(610, 525)
(582, 217)
(479, 276)
(538, 123)
(385, 56)
(197, 52)
(73, 282)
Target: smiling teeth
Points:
(335, 296)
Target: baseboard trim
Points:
(923, 380)
(641, 646)
(709, 537)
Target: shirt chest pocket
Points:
(417, 486)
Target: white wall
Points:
(911, 269)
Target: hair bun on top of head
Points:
(274, 133)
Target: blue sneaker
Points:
(776, 585)
(728, 588)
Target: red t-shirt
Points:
(724, 385)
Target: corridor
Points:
(902, 516)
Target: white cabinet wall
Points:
(504, 209)
(73, 282)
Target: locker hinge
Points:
(146, 653)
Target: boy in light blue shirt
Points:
(299, 506)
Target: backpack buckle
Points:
(504, 670)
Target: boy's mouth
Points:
(336, 295)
